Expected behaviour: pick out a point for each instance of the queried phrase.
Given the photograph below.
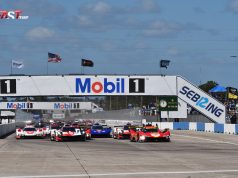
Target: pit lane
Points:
(189, 155)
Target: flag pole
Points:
(47, 67)
(11, 67)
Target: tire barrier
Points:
(199, 126)
(6, 129)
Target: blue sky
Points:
(124, 37)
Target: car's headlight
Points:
(142, 137)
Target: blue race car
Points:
(100, 131)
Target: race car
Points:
(100, 131)
(29, 132)
(53, 128)
(115, 131)
(122, 132)
(149, 133)
(70, 133)
(85, 128)
(46, 130)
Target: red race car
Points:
(149, 133)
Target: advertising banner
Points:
(201, 101)
(81, 85)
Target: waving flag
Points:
(17, 64)
(87, 63)
(54, 58)
(164, 63)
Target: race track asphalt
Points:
(189, 155)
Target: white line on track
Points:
(207, 139)
(126, 173)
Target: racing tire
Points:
(131, 139)
(83, 139)
(167, 140)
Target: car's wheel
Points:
(84, 138)
(131, 139)
(167, 139)
(134, 139)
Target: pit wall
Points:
(199, 126)
(6, 129)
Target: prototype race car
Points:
(29, 132)
(122, 132)
(53, 128)
(149, 133)
(85, 128)
(70, 133)
(100, 131)
(115, 131)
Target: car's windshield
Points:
(126, 127)
(150, 130)
(98, 127)
(68, 129)
(29, 129)
(55, 127)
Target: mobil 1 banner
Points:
(46, 105)
(201, 101)
(81, 85)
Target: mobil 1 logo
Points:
(8, 86)
(136, 85)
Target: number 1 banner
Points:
(8, 86)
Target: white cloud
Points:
(39, 33)
(84, 20)
(233, 5)
(162, 29)
(98, 8)
(101, 7)
(150, 6)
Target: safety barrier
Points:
(199, 126)
(7, 128)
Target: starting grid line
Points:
(126, 174)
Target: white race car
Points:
(70, 133)
(29, 131)
(53, 129)
(116, 130)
